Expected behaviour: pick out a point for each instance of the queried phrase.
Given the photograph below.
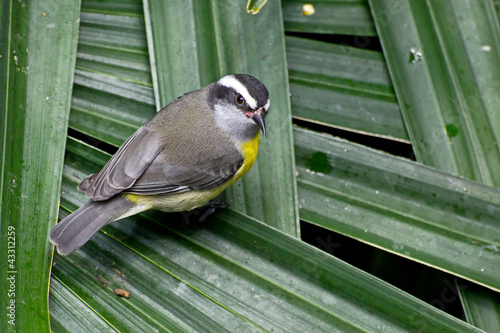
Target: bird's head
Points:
(240, 103)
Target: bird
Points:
(179, 160)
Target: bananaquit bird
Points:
(179, 160)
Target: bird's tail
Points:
(77, 228)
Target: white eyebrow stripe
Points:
(266, 107)
(231, 82)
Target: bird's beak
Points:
(258, 118)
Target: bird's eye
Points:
(239, 99)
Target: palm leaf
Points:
(444, 60)
(343, 86)
(400, 206)
(112, 94)
(37, 58)
(482, 307)
(329, 17)
(452, 113)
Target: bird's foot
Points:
(210, 208)
(203, 212)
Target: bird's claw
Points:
(205, 211)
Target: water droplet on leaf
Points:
(416, 55)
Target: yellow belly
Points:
(179, 202)
(175, 202)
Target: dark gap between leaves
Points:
(92, 141)
(389, 146)
(361, 42)
(428, 284)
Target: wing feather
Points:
(165, 177)
(124, 168)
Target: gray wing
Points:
(143, 165)
(166, 176)
(124, 168)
